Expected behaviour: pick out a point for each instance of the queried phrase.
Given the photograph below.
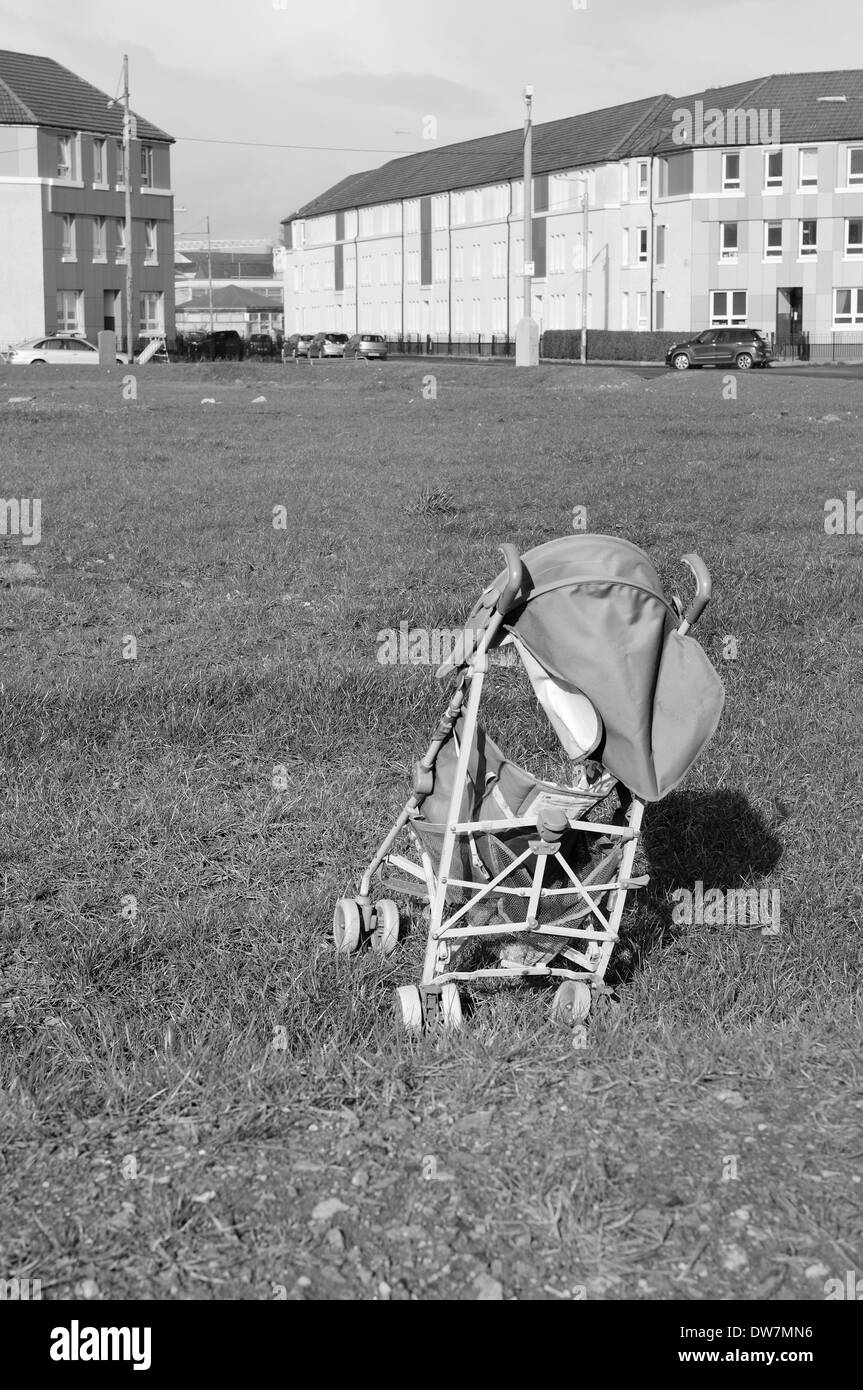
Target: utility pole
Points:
(584, 267)
(526, 332)
(127, 181)
(210, 288)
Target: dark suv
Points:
(721, 347)
(224, 344)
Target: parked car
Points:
(367, 345)
(57, 350)
(721, 347)
(297, 345)
(328, 345)
(263, 345)
(223, 344)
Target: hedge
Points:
(614, 345)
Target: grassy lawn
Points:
(187, 1072)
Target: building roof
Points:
(38, 91)
(249, 265)
(807, 106)
(229, 297)
(572, 142)
(616, 132)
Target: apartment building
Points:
(735, 205)
(63, 251)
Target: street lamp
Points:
(526, 331)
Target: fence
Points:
(828, 347)
(450, 347)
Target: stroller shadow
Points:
(716, 839)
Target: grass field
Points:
(187, 1072)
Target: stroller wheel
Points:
(450, 1006)
(385, 936)
(571, 1003)
(409, 1008)
(346, 926)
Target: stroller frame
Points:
(581, 958)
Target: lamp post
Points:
(210, 288)
(526, 331)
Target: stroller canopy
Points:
(592, 616)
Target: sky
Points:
(356, 80)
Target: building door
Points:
(789, 315)
(111, 311)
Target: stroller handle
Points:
(514, 578)
(703, 590)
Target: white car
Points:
(57, 350)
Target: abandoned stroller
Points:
(537, 869)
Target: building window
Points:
(855, 166)
(498, 259)
(100, 162)
(100, 243)
(659, 244)
(730, 172)
(440, 266)
(475, 315)
(152, 317)
(65, 155)
(847, 308)
(439, 210)
(643, 175)
(808, 237)
(397, 267)
(808, 169)
(413, 267)
(458, 263)
(773, 169)
(458, 316)
(69, 311)
(557, 254)
(772, 241)
(147, 180)
(119, 240)
(728, 246)
(624, 182)
(151, 246)
(641, 310)
(118, 163)
(624, 246)
(383, 269)
(854, 236)
(476, 261)
(458, 210)
(642, 245)
(67, 238)
(728, 308)
(624, 310)
(476, 199)
(412, 216)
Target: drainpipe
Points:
(402, 337)
(650, 290)
(508, 266)
(357, 274)
(449, 261)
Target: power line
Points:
(267, 145)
